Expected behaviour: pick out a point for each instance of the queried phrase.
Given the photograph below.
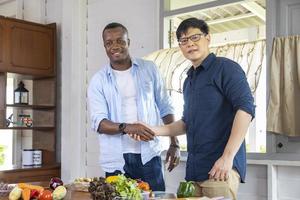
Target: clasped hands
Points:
(139, 131)
(142, 132)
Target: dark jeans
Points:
(151, 172)
(117, 172)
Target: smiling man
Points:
(123, 92)
(218, 107)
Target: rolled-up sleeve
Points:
(162, 98)
(236, 88)
(97, 104)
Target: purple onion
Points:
(55, 182)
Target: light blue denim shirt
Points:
(153, 103)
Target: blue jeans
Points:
(151, 172)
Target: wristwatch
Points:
(122, 127)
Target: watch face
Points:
(122, 126)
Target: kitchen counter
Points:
(86, 196)
(76, 195)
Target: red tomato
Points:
(34, 193)
(46, 195)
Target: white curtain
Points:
(173, 65)
(283, 115)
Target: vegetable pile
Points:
(127, 188)
(100, 190)
(117, 186)
(27, 191)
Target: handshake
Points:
(142, 132)
(139, 131)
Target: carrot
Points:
(30, 187)
(144, 186)
(26, 194)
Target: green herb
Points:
(127, 188)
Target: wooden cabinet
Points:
(27, 48)
(28, 55)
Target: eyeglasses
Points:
(193, 38)
(110, 43)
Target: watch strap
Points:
(122, 127)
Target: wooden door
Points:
(3, 46)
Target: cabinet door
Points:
(31, 48)
(3, 47)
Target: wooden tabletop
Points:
(77, 195)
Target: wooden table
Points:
(76, 195)
(86, 196)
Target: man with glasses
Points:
(123, 92)
(218, 107)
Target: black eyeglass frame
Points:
(193, 38)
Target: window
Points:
(239, 26)
(6, 136)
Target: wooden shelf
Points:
(27, 77)
(43, 128)
(19, 174)
(28, 168)
(41, 107)
(37, 68)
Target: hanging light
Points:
(21, 94)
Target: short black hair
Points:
(191, 23)
(114, 25)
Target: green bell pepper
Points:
(186, 189)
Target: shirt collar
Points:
(134, 64)
(208, 61)
(205, 64)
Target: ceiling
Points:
(228, 17)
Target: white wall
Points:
(8, 8)
(288, 180)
